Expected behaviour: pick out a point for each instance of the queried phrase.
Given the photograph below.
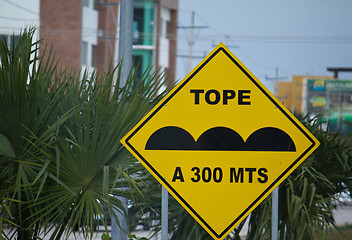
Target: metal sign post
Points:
(275, 214)
(164, 213)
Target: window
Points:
(138, 26)
(4, 37)
(143, 22)
(168, 29)
(164, 28)
(93, 60)
(86, 3)
(14, 41)
(91, 3)
(84, 53)
(137, 66)
(11, 40)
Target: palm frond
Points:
(90, 160)
(61, 161)
(28, 113)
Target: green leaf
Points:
(105, 236)
(6, 147)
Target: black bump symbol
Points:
(270, 139)
(171, 138)
(220, 139)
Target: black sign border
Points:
(267, 95)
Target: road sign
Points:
(220, 142)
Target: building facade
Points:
(325, 95)
(154, 35)
(84, 33)
(293, 94)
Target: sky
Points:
(296, 37)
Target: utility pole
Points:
(125, 38)
(275, 79)
(191, 40)
(191, 43)
(119, 231)
(226, 42)
(336, 70)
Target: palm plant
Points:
(61, 161)
(308, 196)
(28, 108)
(93, 166)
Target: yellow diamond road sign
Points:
(220, 142)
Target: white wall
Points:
(16, 15)
(164, 42)
(89, 31)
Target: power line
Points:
(19, 19)
(275, 79)
(254, 61)
(272, 38)
(191, 41)
(20, 7)
(278, 38)
(187, 56)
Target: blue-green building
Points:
(154, 35)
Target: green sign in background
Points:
(333, 98)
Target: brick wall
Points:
(61, 26)
(172, 35)
(108, 19)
